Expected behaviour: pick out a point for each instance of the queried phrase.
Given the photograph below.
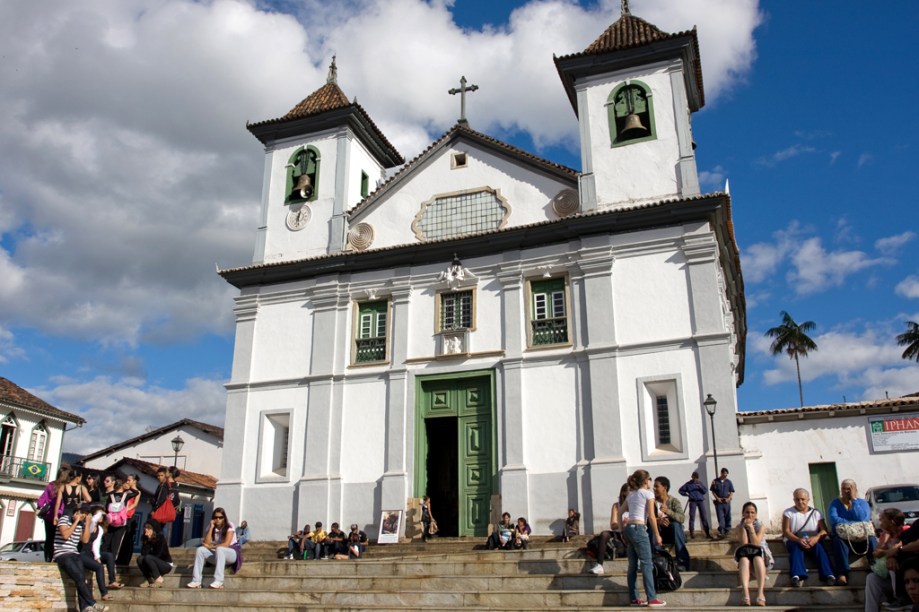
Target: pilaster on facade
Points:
(687, 174)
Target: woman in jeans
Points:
(217, 547)
(642, 513)
(154, 559)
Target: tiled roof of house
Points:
(215, 431)
(897, 404)
(15, 396)
(194, 479)
(456, 131)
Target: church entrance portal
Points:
(455, 456)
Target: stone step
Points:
(215, 607)
(608, 581)
(342, 598)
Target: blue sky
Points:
(128, 173)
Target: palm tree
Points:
(910, 339)
(792, 338)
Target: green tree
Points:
(792, 338)
(910, 339)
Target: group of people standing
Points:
(90, 526)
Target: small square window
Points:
(458, 160)
(456, 311)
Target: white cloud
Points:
(8, 348)
(762, 259)
(816, 269)
(116, 410)
(890, 245)
(868, 359)
(127, 168)
(908, 287)
(713, 180)
(864, 159)
(785, 154)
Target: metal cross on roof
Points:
(462, 92)
(625, 7)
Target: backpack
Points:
(117, 511)
(615, 547)
(666, 574)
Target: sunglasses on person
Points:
(219, 516)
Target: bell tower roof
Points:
(325, 108)
(632, 41)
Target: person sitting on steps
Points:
(670, 519)
(502, 538)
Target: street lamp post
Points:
(178, 443)
(710, 406)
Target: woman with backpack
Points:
(46, 508)
(116, 505)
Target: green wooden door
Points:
(468, 402)
(824, 485)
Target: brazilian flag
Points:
(33, 470)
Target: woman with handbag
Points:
(164, 511)
(752, 551)
(46, 506)
(802, 529)
(851, 529)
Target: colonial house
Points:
(815, 447)
(481, 325)
(187, 444)
(31, 436)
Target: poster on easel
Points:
(390, 527)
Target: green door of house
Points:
(824, 485)
(455, 451)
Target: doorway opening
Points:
(442, 470)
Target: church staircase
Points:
(459, 574)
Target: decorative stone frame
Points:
(502, 202)
(648, 389)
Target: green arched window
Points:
(302, 175)
(631, 114)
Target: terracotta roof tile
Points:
(185, 477)
(907, 402)
(326, 98)
(14, 395)
(628, 31)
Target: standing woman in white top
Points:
(220, 536)
(642, 513)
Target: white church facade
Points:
(486, 327)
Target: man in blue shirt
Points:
(722, 491)
(695, 490)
